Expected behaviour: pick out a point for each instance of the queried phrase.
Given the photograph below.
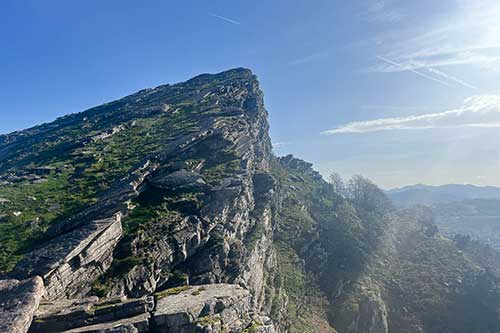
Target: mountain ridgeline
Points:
(433, 195)
(166, 211)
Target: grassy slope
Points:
(85, 167)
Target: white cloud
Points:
(480, 111)
(467, 36)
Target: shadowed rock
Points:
(90, 313)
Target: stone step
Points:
(67, 315)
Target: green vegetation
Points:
(253, 328)
(100, 288)
(31, 208)
(198, 291)
(324, 236)
(171, 292)
(119, 267)
(138, 219)
(87, 154)
(105, 304)
(208, 321)
(122, 266)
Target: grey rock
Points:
(178, 181)
(206, 308)
(137, 324)
(69, 263)
(227, 239)
(65, 315)
(18, 302)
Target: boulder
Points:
(18, 302)
(179, 181)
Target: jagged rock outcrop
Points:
(18, 302)
(180, 206)
(70, 261)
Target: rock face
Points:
(167, 177)
(209, 308)
(84, 315)
(204, 308)
(71, 260)
(18, 302)
(180, 181)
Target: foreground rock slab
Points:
(69, 315)
(18, 302)
(69, 262)
(137, 324)
(207, 308)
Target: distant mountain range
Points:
(431, 195)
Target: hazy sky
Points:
(399, 92)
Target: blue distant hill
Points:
(430, 195)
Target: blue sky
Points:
(399, 92)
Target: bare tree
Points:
(338, 184)
(366, 196)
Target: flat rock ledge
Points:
(213, 308)
(18, 302)
(208, 308)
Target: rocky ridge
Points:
(166, 211)
(197, 188)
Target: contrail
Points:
(413, 70)
(224, 18)
(452, 78)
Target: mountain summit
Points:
(166, 211)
